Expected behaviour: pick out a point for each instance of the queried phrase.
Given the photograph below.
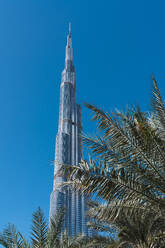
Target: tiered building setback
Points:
(69, 150)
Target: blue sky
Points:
(117, 45)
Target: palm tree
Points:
(41, 236)
(54, 231)
(128, 159)
(44, 237)
(127, 163)
(39, 229)
(142, 230)
(11, 238)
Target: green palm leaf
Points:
(39, 229)
(54, 231)
(158, 110)
(11, 238)
(128, 159)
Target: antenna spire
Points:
(69, 51)
(69, 28)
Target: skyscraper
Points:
(69, 150)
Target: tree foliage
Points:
(52, 237)
(127, 163)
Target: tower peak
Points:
(68, 74)
(69, 28)
(69, 51)
(69, 39)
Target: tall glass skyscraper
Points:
(69, 150)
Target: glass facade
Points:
(69, 151)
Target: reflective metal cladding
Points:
(69, 150)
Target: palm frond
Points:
(113, 212)
(101, 227)
(137, 229)
(127, 138)
(11, 238)
(158, 110)
(95, 179)
(101, 242)
(39, 229)
(126, 168)
(55, 228)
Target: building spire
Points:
(70, 29)
(68, 74)
(69, 50)
(69, 38)
(69, 152)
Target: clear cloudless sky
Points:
(117, 45)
